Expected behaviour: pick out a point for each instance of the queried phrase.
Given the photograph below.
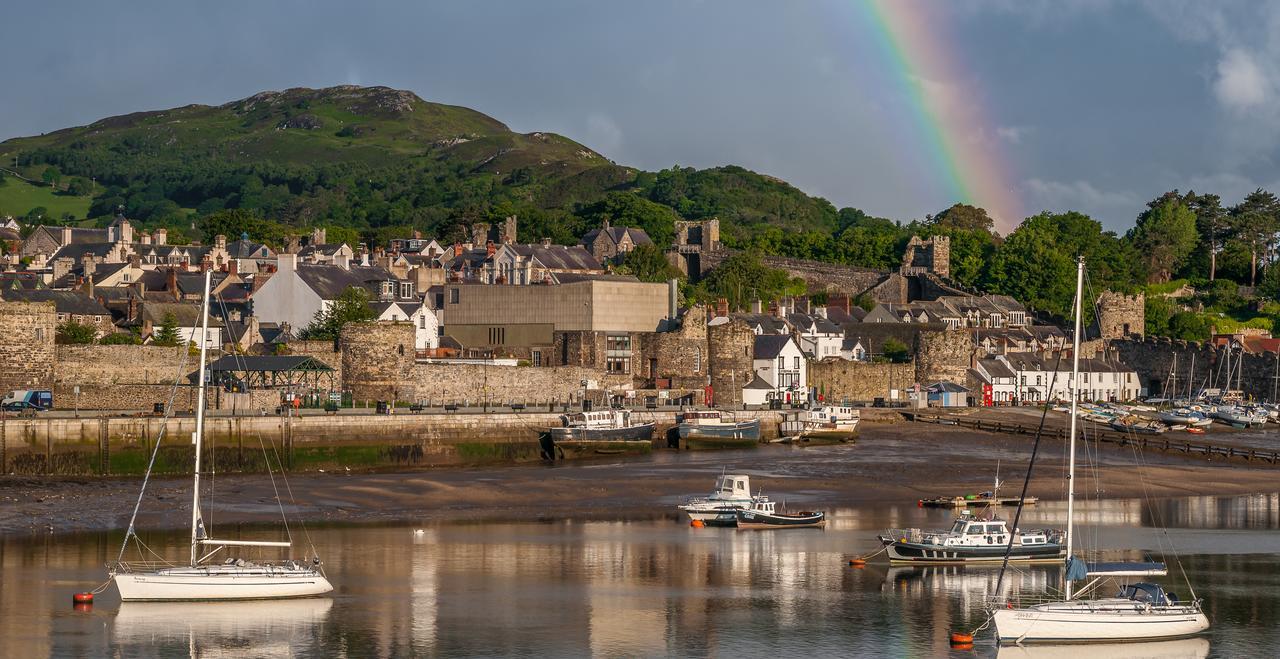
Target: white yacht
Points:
(204, 578)
(1138, 612)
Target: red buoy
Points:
(697, 524)
(858, 562)
(919, 503)
(961, 638)
(82, 598)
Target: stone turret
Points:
(1121, 316)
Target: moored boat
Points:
(732, 493)
(973, 541)
(765, 519)
(601, 425)
(710, 429)
(1137, 424)
(829, 424)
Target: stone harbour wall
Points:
(1153, 359)
(473, 384)
(122, 377)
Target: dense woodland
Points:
(369, 169)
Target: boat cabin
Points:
(599, 419)
(699, 416)
(731, 486)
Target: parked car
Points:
(27, 399)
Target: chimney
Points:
(233, 267)
(490, 248)
(135, 260)
(673, 299)
(132, 312)
(66, 236)
(546, 242)
(286, 262)
(364, 255)
(457, 250)
(88, 264)
(88, 286)
(757, 307)
(145, 238)
(820, 312)
(62, 266)
(160, 237)
(171, 283)
(342, 261)
(126, 232)
(722, 307)
(220, 242)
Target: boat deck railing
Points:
(905, 535)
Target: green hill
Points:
(382, 161)
(17, 198)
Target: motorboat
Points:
(1136, 424)
(828, 424)
(601, 425)
(1184, 416)
(712, 429)
(971, 540)
(731, 494)
(1239, 416)
(202, 578)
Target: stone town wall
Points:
(730, 360)
(376, 359)
(1153, 359)
(474, 384)
(943, 355)
(840, 380)
(122, 377)
(26, 345)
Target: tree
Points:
(120, 339)
(648, 263)
(71, 332)
(963, 216)
(1164, 236)
(1211, 223)
(628, 209)
(1254, 223)
(51, 175)
(896, 351)
(352, 306)
(1189, 326)
(167, 335)
(742, 279)
(79, 186)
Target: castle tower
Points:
(1121, 316)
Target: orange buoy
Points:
(961, 638)
(697, 524)
(919, 503)
(82, 598)
(858, 562)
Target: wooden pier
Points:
(1160, 442)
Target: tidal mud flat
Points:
(889, 464)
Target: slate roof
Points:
(76, 251)
(947, 387)
(20, 280)
(559, 257)
(638, 236)
(187, 314)
(277, 363)
(380, 308)
(247, 249)
(996, 368)
(327, 249)
(70, 302)
(767, 323)
(759, 383)
(329, 281)
(769, 346)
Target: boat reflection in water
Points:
(1186, 648)
(975, 585)
(264, 628)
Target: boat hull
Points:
(1085, 622)
(748, 430)
(726, 516)
(753, 520)
(187, 584)
(641, 432)
(915, 553)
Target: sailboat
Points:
(202, 578)
(1140, 611)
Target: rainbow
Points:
(947, 118)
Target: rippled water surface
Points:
(640, 589)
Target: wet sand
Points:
(891, 463)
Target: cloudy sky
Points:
(1089, 105)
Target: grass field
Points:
(17, 197)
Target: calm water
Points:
(635, 589)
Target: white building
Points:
(426, 327)
(1031, 377)
(819, 338)
(779, 362)
(297, 291)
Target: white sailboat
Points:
(1138, 612)
(203, 579)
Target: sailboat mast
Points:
(198, 435)
(1075, 400)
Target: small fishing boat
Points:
(766, 519)
(731, 494)
(1184, 415)
(829, 424)
(973, 541)
(980, 500)
(601, 425)
(1239, 416)
(704, 429)
(1136, 424)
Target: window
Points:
(782, 364)
(618, 364)
(797, 362)
(497, 335)
(617, 350)
(422, 320)
(537, 358)
(697, 359)
(406, 289)
(453, 296)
